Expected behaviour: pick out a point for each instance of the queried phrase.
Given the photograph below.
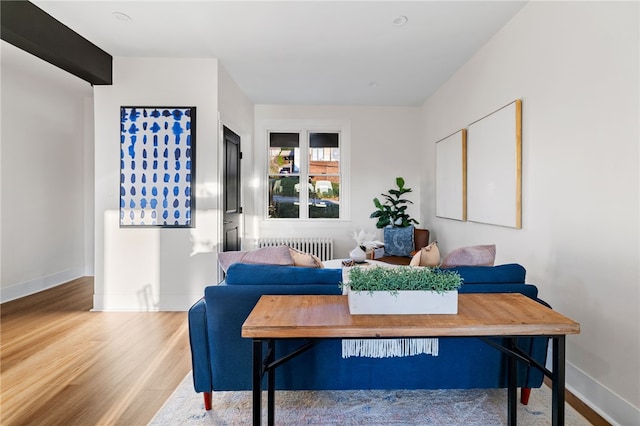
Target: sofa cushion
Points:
(398, 241)
(471, 256)
(511, 273)
(248, 274)
(279, 255)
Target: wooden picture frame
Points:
(494, 167)
(451, 176)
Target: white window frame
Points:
(304, 128)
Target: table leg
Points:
(271, 384)
(257, 382)
(558, 379)
(512, 390)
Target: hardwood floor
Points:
(64, 365)
(587, 412)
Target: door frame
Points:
(222, 123)
(235, 140)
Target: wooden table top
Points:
(479, 314)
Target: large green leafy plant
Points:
(393, 212)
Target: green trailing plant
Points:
(403, 278)
(393, 212)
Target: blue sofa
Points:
(222, 358)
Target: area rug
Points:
(483, 407)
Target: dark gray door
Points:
(231, 191)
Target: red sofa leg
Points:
(207, 400)
(524, 395)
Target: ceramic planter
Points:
(402, 303)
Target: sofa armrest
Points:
(535, 347)
(198, 338)
(538, 351)
(227, 308)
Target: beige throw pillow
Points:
(427, 256)
(305, 260)
(415, 260)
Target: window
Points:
(304, 169)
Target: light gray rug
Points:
(484, 407)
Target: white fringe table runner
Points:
(387, 348)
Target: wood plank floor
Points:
(64, 365)
(61, 364)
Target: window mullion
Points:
(304, 174)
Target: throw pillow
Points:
(303, 259)
(427, 256)
(415, 260)
(279, 255)
(483, 255)
(398, 241)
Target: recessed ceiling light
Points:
(122, 16)
(399, 21)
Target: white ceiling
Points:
(301, 52)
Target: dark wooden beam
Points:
(31, 29)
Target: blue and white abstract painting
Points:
(157, 148)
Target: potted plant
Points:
(401, 290)
(393, 212)
(392, 216)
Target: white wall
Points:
(151, 268)
(575, 66)
(384, 143)
(46, 117)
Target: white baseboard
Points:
(600, 399)
(140, 303)
(37, 285)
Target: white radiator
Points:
(321, 247)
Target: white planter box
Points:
(402, 303)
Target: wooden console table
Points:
(479, 315)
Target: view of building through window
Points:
(304, 169)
